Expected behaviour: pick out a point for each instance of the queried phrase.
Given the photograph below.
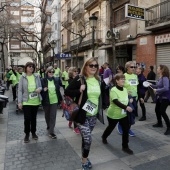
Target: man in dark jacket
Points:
(151, 76)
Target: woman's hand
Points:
(38, 90)
(154, 90)
(82, 88)
(131, 100)
(129, 109)
(141, 99)
(20, 106)
(45, 88)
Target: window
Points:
(119, 16)
(49, 2)
(56, 9)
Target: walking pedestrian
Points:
(86, 118)
(72, 73)
(161, 89)
(117, 112)
(29, 99)
(120, 69)
(65, 78)
(131, 82)
(141, 91)
(51, 97)
(14, 80)
(57, 70)
(150, 78)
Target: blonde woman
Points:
(89, 107)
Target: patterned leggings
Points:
(86, 130)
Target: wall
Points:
(146, 51)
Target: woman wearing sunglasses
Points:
(131, 83)
(51, 97)
(72, 73)
(29, 99)
(90, 104)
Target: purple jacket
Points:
(162, 87)
(141, 88)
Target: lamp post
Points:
(40, 57)
(53, 43)
(93, 25)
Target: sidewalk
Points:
(151, 148)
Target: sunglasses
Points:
(51, 72)
(93, 65)
(132, 67)
(75, 71)
(31, 66)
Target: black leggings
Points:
(160, 110)
(142, 105)
(125, 127)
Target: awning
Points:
(132, 42)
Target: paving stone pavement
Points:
(151, 148)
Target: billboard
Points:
(134, 12)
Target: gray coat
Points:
(23, 88)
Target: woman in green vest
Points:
(117, 112)
(51, 98)
(29, 99)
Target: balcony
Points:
(158, 16)
(67, 21)
(89, 4)
(77, 11)
(87, 41)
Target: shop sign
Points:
(134, 12)
(160, 39)
(63, 56)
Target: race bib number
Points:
(123, 111)
(133, 82)
(33, 95)
(89, 107)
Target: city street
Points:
(151, 147)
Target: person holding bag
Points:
(161, 89)
(51, 97)
(90, 104)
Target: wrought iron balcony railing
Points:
(87, 41)
(89, 3)
(67, 21)
(77, 10)
(158, 15)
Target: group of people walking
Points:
(118, 93)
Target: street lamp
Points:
(53, 44)
(93, 25)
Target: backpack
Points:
(8, 75)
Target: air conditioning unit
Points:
(108, 34)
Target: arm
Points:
(119, 104)
(165, 87)
(73, 89)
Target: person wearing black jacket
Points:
(90, 107)
(151, 76)
(51, 97)
(141, 91)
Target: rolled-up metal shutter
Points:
(163, 55)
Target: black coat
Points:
(73, 90)
(44, 94)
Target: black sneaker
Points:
(52, 136)
(34, 136)
(158, 125)
(167, 132)
(142, 119)
(26, 139)
(128, 151)
(104, 141)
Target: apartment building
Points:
(22, 16)
(76, 33)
